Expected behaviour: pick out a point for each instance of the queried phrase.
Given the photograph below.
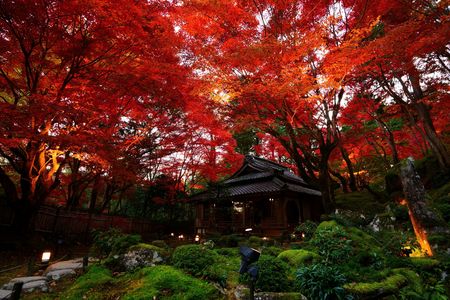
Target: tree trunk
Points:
(325, 183)
(436, 144)
(351, 174)
(94, 194)
(342, 179)
(424, 220)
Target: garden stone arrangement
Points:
(53, 272)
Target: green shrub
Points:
(271, 250)
(194, 259)
(297, 258)
(321, 282)
(333, 243)
(104, 240)
(273, 275)
(307, 228)
(165, 282)
(122, 243)
(96, 276)
(113, 242)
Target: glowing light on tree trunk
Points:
(421, 233)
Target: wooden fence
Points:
(80, 224)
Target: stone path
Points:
(53, 272)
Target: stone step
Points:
(25, 280)
(73, 264)
(5, 294)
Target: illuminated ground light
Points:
(46, 257)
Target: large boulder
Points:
(142, 255)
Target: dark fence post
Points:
(88, 227)
(55, 221)
(17, 290)
(85, 262)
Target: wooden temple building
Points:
(262, 197)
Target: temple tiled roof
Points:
(258, 176)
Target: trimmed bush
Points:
(297, 258)
(321, 282)
(194, 259)
(273, 275)
(332, 242)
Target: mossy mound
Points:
(89, 286)
(161, 282)
(165, 282)
(297, 258)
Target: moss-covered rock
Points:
(424, 262)
(143, 255)
(297, 258)
(390, 285)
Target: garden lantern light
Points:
(46, 257)
(249, 256)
